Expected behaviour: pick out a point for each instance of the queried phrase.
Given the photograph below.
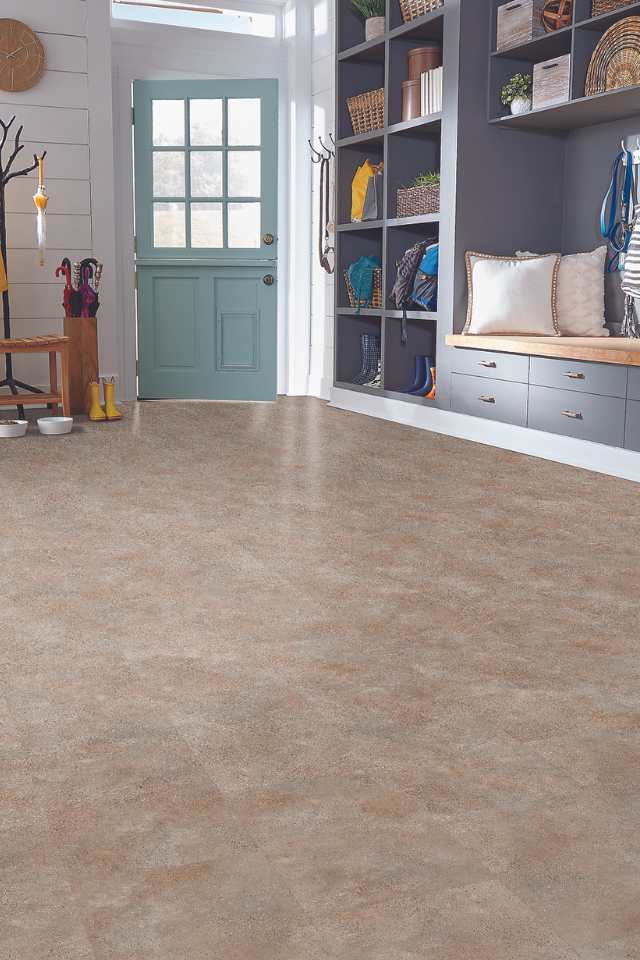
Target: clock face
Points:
(21, 56)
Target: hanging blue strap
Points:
(616, 217)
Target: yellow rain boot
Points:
(110, 408)
(95, 410)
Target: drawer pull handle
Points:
(572, 415)
(487, 399)
(488, 363)
(575, 376)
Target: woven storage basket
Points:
(415, 201)
(616, 59)
(417, 8)
(367, 111)
(376, 299)
(607, 6)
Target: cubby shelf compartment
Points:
(363, 312)
(362, 139)
(433, 120)
(369, 50)
(362, 225)
(582, 112)
(427, 27)
(541, 48)
(408, 398)
(357, 388)
(413, 221)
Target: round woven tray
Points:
(616, 59)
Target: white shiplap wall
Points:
(55, 116)
(322, 289)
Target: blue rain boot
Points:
(427, 385)
(420, 377)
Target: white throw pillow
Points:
(581, 294)
(512, 295)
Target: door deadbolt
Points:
(268, 239)
(268, 280)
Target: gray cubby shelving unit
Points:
(407, 148)
(579, 39)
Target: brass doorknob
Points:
(268, 280)
(268, 239)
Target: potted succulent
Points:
(516, 93)
(372, 12)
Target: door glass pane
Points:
(206, 123)
(169, 225)
(244, 173)
(168, 123)
(206, 225)
(168, 174)
(206, 173)
(244, 225)
(244, 123)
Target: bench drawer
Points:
(586, 416)
(632, 433)
(497, 366)
(605, 379)
(491, 399)
(634, 383)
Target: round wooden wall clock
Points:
(21, 56)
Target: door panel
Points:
(209, 334)
(206, 197)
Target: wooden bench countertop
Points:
(598, 349)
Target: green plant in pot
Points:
(516, 93)
(372, 12)
(429, 179)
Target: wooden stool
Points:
(52, 345)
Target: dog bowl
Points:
(13, 428)
(54, 426)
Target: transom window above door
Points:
(207, 173)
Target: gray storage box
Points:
(519, 22)
(552, 82)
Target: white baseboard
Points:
(577, 453)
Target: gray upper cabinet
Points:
(606, 379)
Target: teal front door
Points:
(206, 246)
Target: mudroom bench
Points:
(588, 388)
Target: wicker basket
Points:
(417, 8)
(607, 6)
(367, 111)
(376, 299)
(416, 201)
(616, 59)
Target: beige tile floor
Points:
(283, 683)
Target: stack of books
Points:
(431, 92)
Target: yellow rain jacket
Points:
(3, 276)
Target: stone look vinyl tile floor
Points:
(279, 682)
